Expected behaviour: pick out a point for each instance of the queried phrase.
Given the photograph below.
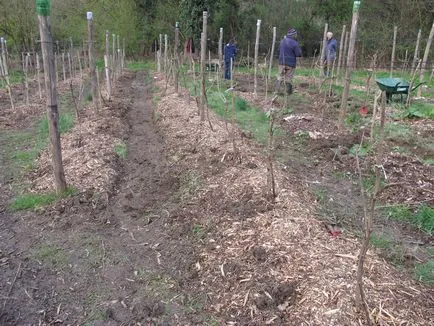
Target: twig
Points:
(11, 287)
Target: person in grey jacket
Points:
(330, 54)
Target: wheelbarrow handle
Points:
(415, 87)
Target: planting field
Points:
(169, 220)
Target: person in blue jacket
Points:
(330, 55)
(230, 52)
(289, 51)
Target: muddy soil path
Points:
(104, 260)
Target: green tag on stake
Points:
(356, 6)
(43, 7)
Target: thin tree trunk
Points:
(369, 212)
(258, 32)
(52, 109)
(425, 59)
(350, 64)
(392, 60)
(341, 50)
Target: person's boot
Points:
(289, 88)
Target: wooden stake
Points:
(341, 52)
(272, 52)
(51, 90)
(324, 49)
(123, 55)
(26, 76)
(114, 72)
(56, 61)
(202, 65)
(425, 59)
(350, 64)
(69, 65)
(220, 52)
(159, 55)
(345, 53)
(392, 61)
(248, 56)
(92, 65)
(79, 65)
(118, 55)
(4, 57)
(413, 77)
(258, 31)
(63, 66)
(107, 65)
(175, 50)
(38, 74)
(166, 63)
(71, 55)
(416, 50)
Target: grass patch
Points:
(363, 150)
(32, 201)
(66, 122)
(141, 65)
(248, 118)
(425, 272)
(189, 185)
(49, 255)
(121, 150)
(429, 161)
(420, 110)
(422, 218)
(397, 131)
(381, 241)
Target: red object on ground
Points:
(363, 111)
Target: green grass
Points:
(381, 241)
(429, 161)
(26, 145)
(15, 77)
(420, 110)
(32, 200)
(422, 217)
(141, 65)
(121, 150)
(398, 131)
(49, 255)
(425, 272)
(363, 150)
(248, 118)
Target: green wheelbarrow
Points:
(395, 86)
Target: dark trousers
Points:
(228, 70)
